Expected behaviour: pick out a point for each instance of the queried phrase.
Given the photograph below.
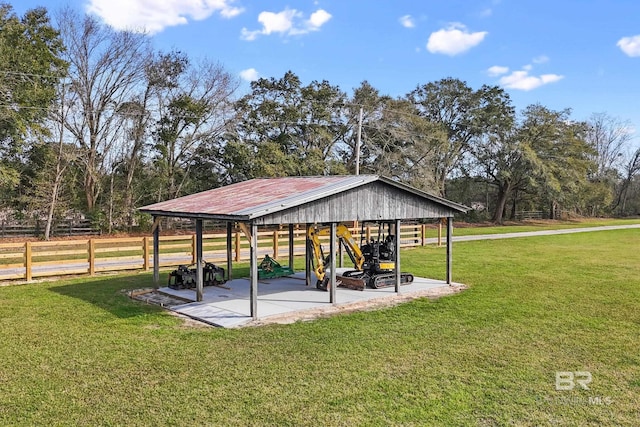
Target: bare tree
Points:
(609, 138)
(105, 67)
(64, 156)
(403, 145)
(631, 171)
(192, 109)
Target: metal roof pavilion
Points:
(302, 200)
(256, 199)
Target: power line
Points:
(20, 73)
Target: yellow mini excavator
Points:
(374, 261)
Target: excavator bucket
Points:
(354, 283)
(351, 283)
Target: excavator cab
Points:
(379, 252)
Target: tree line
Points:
(94, 121)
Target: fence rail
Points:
(36, 228)
(29, 260)
(523, 215)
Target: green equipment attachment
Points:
(269, 268)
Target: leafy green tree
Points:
(367, 99)
(560, 157)
(30, 67)
(284, 128)
(461, 113)
(498, 156)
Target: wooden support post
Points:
(291, 246)
(193, 244)
(397, 248)
(237, 246)
(368, 234)
(449, 248)
(332, 263)
(307, 257)
(276, 237)
(229, 250)
(145, 253)
(156, 253)
(253, 263)
(92, 257)
(423, 234)
(439, 233)
(198, 257)
(27, 261)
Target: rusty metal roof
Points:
(251, 199)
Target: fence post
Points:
(27, 261)
(237, 258)
(439, 233)
(368, 233)
(92, 258)
(275, 244)
(423, 234)
(145, 253)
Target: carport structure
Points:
(302, 200)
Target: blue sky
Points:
(578, 54)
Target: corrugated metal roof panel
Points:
(250, 199)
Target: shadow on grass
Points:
(109, 293)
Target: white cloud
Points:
(497, 70)
(288, 22)
(318, 19)
(154, 16)
(454, 39)
(486, 13)
(250, 74)
(521, 80)
(630, 45)
(277, 22)
(407, 21)
(540, 59)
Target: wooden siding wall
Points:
(371, 202)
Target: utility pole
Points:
(358, 142)
(355, 223)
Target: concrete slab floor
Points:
(287, 299)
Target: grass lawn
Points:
(534, 225)
(79, 352)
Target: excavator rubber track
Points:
(388, 280)
(377, 281)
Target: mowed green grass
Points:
(80, 352)
(534, 225)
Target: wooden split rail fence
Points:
(29, 260)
